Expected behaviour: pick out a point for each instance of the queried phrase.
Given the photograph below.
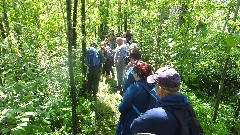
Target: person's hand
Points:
(118, 63)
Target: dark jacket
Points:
(159, 121)
(137, 96)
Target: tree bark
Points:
(235, 15)
(126, 17)
(183, 11)
(2, 30)
(219, 95)
(70, 65)
(223, 76)
(119, 16)
(84, 68)
(5, 21)
(75, 23)
(102, 25)
(159, 33)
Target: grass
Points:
(106, 108)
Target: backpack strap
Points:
(135, 108)
(179, 114)
(190, 109)
(145, 88)
(193, 123)
(150, 92)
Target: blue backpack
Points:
(92, 58)
(152, 99)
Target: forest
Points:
(43, 76)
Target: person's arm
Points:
(127, 100)
(142, 124)
(117, 57)
(129, 79)
(155, 121)
(101, 56)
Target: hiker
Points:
(124, 38)
(93, 60)
(110, 57)
(112, 44)
(135, 95)
(120, 54)
(129, 37)
(111, 40)
(134, 56)
(158, 120)
(107, 64)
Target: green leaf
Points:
(4, 111)
(25, 119)
(30, 113)
(231, 40)
(24, 124)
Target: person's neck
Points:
(167, 93)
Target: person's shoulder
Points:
(157, 110)
(154, 113)
(130, 68)
(124, 46)
(134, 87)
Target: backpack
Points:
(124, 55)
(92, 59)
(152, 99)
(190, 125)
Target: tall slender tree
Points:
(225, 68)
(71, 44)
(83, 28)
(126, 12)
(119, 16)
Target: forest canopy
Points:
(43, 43)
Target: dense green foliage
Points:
(188, 35)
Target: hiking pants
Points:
(93, 80)
(120, 71)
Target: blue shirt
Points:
(121, 53)
(128, 79)
(159, 121)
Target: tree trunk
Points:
(1, 55)
(219, 95)
(159, 33)
(223, 76)
(84, 68)
(119, 16)
(225, 24)
(5, 19)
(75, 23)
(236, 114)
(183, 11)
(102, 24)
(235, 15)
(70, 65)
(126, 17)
(2, 30)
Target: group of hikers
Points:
(151, 103)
